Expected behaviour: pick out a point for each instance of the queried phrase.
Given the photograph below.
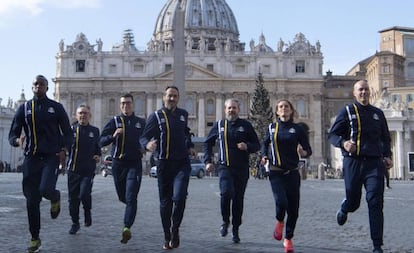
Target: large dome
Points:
(211, 21)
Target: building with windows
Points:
(390, 73)
(11, 156)
(217, 66)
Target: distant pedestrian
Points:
(123, 132)
(47, 139)
(387, 178)
(237, 140)
(167, 134)
(284, 143)
(83, 156)
(361, 132)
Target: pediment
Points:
(192, 71)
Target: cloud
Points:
(11, 7)
(35, 7)
(74, 4)
(13, 10)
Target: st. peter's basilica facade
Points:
(219, 66)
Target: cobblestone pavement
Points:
(316, 232)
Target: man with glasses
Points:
(47, 137)
(123, 132)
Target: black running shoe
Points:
(88, 218)
(74, 229)
(175, 239)
(55, 208)
(35, 245)
(236, 238)
(224, 229)
(341, 217)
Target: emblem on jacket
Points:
(51, 110)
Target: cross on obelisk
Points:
(179, 49)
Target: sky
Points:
(31, 30)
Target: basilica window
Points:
(111, 107)
(301, 108)
(189, 106)
(210, 67)
(210, 107)
(265, 69)
(300, 66)
(78, 101)
(112, 68)
(139, 105)
(243, 106)
(80, 65)
(139, 68)
(168, 67)
(240, 68)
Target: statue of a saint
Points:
(202, 44)
(99, 43)
(251, 45)
(280, 45)
(228, 44)
(189, 43)
(61, 46)
(318, 47)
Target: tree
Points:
(261, 114)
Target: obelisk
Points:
(179, 49)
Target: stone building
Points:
(8, 154)
(390, 73)
(217, 66)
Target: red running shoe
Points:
(288, 246)
(278, 232)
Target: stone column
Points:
(317, 140)
(98, 110)
(399, 166)
(201, 115)
(159, 103)
(219, 106)
(150, 103)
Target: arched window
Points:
(139, 107)
(111, 107)
(243, 110)
(189, 105)
(301, 108)
(243, 104)
(78, 101)
(210, 107)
